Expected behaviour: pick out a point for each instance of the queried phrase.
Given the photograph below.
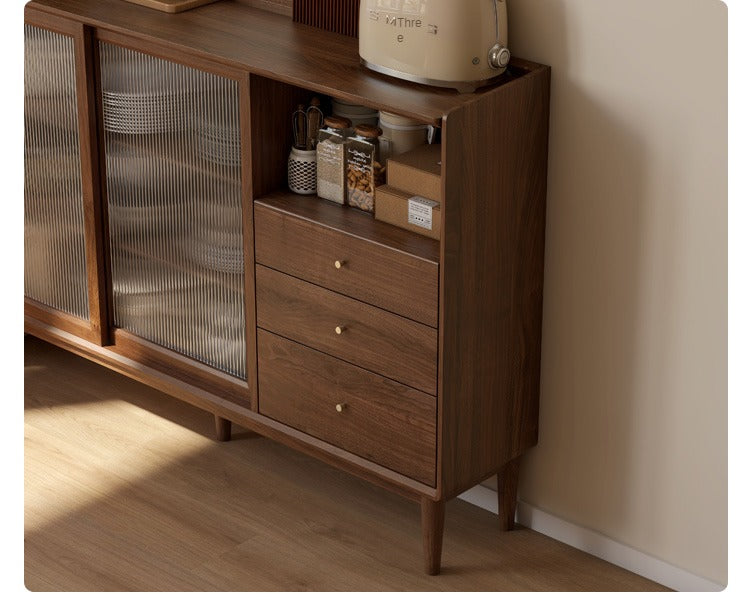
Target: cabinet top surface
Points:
(273, 46)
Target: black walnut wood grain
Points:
(93, 207)
(271, 106)
(59, 319)
(433, 521)
(213, 403)
(248, 235)
(270, 45)
(361, 334)
(479, 288)
(495, 182)
(379, 264)
(223, 429)
(507, 494)
(171, 6)
(376, 418)
(181, 367)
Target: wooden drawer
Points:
(370, 271)
(369, 337)
(380, 420)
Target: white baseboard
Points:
(595, 544)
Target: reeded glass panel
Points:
(175, 210)
(54, 249)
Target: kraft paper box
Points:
(411, 212)
(418, 172)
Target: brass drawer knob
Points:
(340, 329)
(339, 264)
(340, 407)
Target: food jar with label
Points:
(364, 171)
(331, 152)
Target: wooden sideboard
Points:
(162, 242)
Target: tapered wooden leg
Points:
(223, 429)
(433, 518)
(507, 494)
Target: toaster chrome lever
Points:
(499, 57)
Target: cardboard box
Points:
(412, 212)
(418, 171)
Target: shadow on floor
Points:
(131, 493)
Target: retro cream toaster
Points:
(460, 44)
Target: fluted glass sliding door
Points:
(55, 272)
(173, 183)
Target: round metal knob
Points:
(499, 57)
(338, 264)
(340, 329)
(340, 407)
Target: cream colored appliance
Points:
(461, 44)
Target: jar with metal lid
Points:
(331, 153)
(364, 170)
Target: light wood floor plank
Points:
(125, 489)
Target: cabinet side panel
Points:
(272, 105)
(55, 270)
(495, 175)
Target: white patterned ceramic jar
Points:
(303, 175)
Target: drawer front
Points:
(348, 329)
(379, 419)
(384, 277)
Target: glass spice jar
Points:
(331, 152)
(364, 171)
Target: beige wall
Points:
(633, 421)
(633, 425)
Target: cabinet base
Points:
(223, 429)
(225, 412)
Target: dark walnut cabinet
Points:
(161, 241)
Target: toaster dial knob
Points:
(499, 57)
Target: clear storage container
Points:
(364, 170)
(331, 155)
(400, 134)
(358, 115)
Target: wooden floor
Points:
(126, 490)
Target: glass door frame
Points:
(194, 377)
(183, 368)
(95, 329)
